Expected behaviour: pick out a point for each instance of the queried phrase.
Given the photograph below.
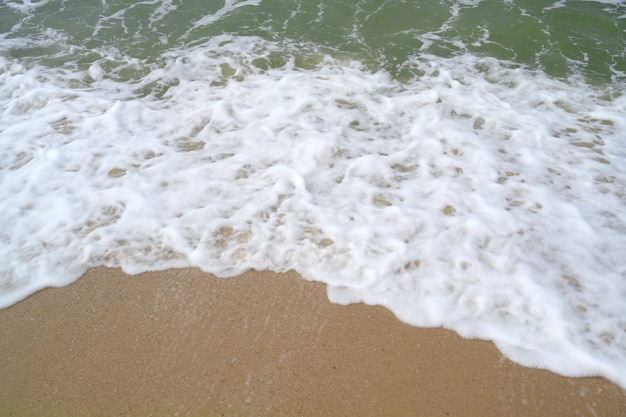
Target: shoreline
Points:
(183, 342)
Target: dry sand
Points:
(182, 342)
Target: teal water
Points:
(563, 39)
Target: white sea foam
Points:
(26, 5)
(228, 7)
(484, 199)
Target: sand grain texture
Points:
(182, 342)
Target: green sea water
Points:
(563, 39)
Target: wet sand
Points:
(182, 342)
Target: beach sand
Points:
(182, 342)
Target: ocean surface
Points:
(462, 163)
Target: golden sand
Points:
(185, 343)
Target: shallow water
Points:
(461, 163)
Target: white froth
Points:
(487, 200)
(228, 7)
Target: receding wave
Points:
(461, 190)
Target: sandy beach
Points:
(185, 343)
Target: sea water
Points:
(462, 163)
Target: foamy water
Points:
(476, 195)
